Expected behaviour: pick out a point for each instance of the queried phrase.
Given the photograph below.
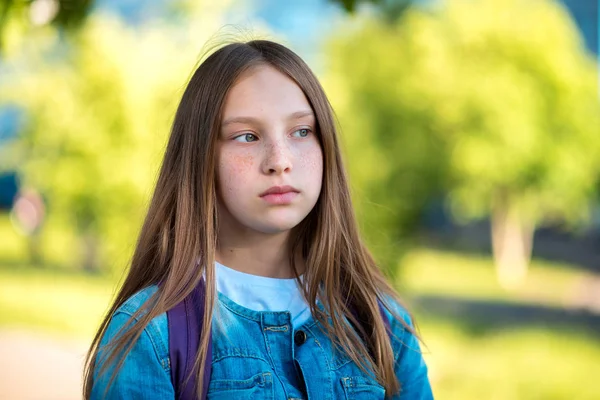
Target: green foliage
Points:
(390, 10)
(51, 301)
(98, 120)
(18, 17)
(476, 98)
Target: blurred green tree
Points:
(494, 101)
(18, 17)
(389, 10)
(98, 115)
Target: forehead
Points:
(264, 92)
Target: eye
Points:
(246, 138)
(304, 132)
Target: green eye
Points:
(302, 132)
(246, 138)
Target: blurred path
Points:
(586, 295)
(38, 367)
(490, 315)
(579, 251)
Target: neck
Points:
(257, 253)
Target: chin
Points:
(275, 228)
(278, 225)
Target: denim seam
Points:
(153, 340)
(275, 369)
(324, 355)
(281, 328)
(333, 366)
(308, 324)
(239, 313)
(322, 348)
(268, 346)
(160, 347)
(132, 304)
(219, 358)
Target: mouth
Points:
(280, 195)
(279, 190)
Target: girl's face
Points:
(270, 164)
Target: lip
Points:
(280, 195)
(279, 190)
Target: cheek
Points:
(234, 171)
(312, 163)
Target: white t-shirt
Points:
(260, 293)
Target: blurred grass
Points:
(432, 272)
(519, 363)
(54, 301)
(524, 363)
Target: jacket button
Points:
(299, 338)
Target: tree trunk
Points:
(90, 253)
(512, 237)
(34, 248)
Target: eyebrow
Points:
(249, 120)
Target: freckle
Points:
(243, 161)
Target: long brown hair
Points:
(181, 226)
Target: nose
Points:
(278, 159)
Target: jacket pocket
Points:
(360, 388)
(258, 387)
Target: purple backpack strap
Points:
(386, 320)
(185, 324)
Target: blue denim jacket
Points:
(258, 355)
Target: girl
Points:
(252, 204)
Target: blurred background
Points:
(471, 130)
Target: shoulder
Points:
(156, 333)
(133, 304)
(391, 307)
(145, 369)
(402, 327)
(410, 367)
